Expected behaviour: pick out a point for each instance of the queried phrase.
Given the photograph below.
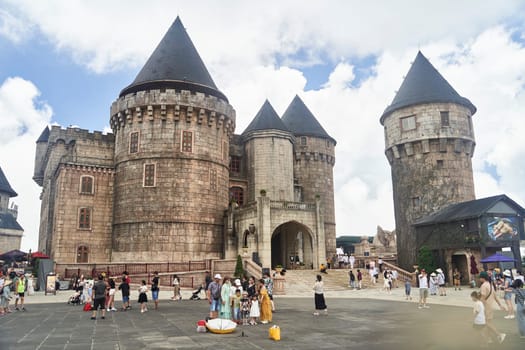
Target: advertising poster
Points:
(50, 284)
(502, 228)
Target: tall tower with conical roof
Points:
(429, 143)
(269, 153)
(172, 130)
(314, 159)
(10, 230)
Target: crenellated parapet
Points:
(171, 105)
(425, 146)
(67, 135)
(315, 157)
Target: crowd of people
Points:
(15, 286)
(245, 301)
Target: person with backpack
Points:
(213, 294)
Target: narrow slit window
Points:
(149, 175)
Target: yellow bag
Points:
(275, 333)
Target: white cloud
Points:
(12, 27)
(23, 117)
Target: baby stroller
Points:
(196, 294)
(75, 299)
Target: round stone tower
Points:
(429, 144)
(269, 151)
(314, 163)
(172, 129)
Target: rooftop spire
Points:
(5, 186)
(266, 119)
(424, 84)
(299, 120)
(175, 64)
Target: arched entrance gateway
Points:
(292, 244)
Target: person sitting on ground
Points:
(322, 268)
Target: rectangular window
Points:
(86, 184)
(134, 142)
(444, 119)
(408, 123)
(149, 175)
(416, 202)
(303, 141)
(235, 164)
(187, 141)
(225, 150)
(440, 163)
(213, 179)
(84, 218)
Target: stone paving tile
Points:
(351, 323)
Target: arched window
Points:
(84, 218)
(237, 194)
(86, 184)
(82, 254)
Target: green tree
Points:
(425, 259)
(239, 271)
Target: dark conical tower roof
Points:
(299, 120)
(44, 136)
(424, 84)
(5, 186)
(175, 64)
(266, 119)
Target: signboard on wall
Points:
(502, 228)
(51, 284)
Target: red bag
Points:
(87, 307)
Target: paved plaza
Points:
(356, 320)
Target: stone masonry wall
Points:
(313, 169)
(269, 158)
(181, 216)
(431, 167)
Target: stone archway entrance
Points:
(292, 240)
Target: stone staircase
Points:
(302, 281)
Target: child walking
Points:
(143, 297)
(479, 316)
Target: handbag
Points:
(87, 307)
(274, 333)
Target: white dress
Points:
(254, 309)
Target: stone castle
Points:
(10, 230)
(430, 142)
(175, 183)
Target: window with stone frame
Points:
(416, 202)
(440, 163)
(87, 184)
(187, 141)
(235, 164)
(445, 121)
(303, 140)
(408, 123)
(82, 254)
(134, 142)
(84, 218)
(149, 175)
(237, 195)
(213, 179)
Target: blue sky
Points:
(66, 62)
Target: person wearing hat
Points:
(213, 293)
(488, 297)
(441, 282)
(433, 284)
(507, 288)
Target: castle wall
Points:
(180, 216)
(10, 239)
(67, 235)
(73, 146)
(431, 167)
(313, 169)
(269, 157)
